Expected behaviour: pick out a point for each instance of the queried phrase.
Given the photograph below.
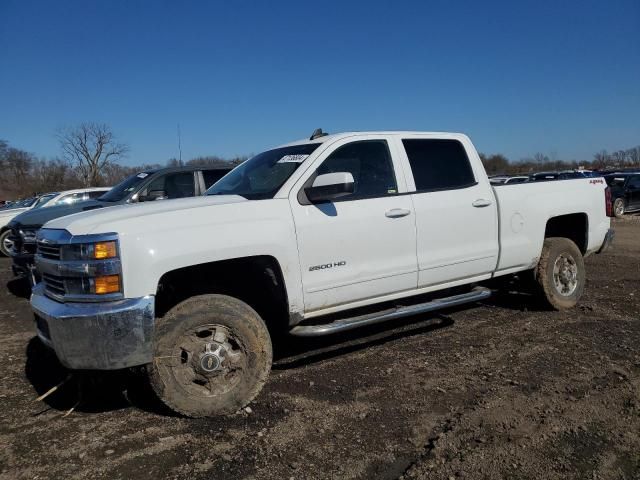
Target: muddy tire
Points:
(212, 355)
(5, 243)
(560, 273)
(618, 208)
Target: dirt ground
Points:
(501, 389)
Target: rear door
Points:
(456, 215)
(362, 245)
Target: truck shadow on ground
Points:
(95, 392)
(19, 287)
(87, 392)
(295, 352)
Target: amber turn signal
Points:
(104, 250)
(107, 284)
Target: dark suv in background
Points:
(625, 192)
(147, 186)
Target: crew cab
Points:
(311, 238)
(150, 185)
(625, 192)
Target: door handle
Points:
(481, 202)
(397, 213)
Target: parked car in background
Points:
(625, 192)
(564, 175)
(73, 196)
(45, 200)
(6, 215)
(150, 185)
(506, 180)
(543, 176)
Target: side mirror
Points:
(330, 186)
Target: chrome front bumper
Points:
(96, 336)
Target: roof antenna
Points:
(317, 133)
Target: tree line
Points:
(498, 164)
(90, 154)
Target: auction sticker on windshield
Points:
(293, 159)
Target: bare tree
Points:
(495, 164)
(619, 157)
(601, 159)
(91, 147)
(633, 155)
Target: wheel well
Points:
(574, 226)
(257, 281)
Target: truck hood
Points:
(88, 222)
(39, 216)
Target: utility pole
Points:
(179, 146)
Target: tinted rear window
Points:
(438, 164)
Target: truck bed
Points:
(525, 208)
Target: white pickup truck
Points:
(298, 240)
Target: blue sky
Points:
(557, 77)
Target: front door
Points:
(360, 246)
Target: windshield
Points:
(262, 176)
(44, 199)
(124, 188)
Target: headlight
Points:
(79, 268)
(90, 251)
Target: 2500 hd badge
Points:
(341, 263)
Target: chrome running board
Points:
(477, 294)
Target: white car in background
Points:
(46, 200)
(505, 180)
(70, 196)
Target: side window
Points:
(71, 198)
(96, 194)
(635, 182)
(369, 162)
(172, 185)
(212, 176)
(438, 164)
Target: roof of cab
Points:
(338, 136)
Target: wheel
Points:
(618, 207)
(6, 244)
(560, 273)
(212, 355)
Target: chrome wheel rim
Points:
(7, 244)
(619, 206)
(207, 361)
(565, 274)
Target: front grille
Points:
(51, 252)
(54, 284)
